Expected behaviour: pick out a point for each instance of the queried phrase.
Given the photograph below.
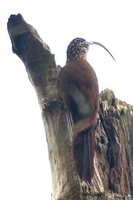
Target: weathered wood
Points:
(113, 177)
(42, 72)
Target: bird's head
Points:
(78, 48)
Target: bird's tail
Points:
(84, 150)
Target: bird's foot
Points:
(86, 189)
(51, 102)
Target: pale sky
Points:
(24, 165)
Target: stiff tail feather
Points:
(84, 150)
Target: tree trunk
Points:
(113, 178)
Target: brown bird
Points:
(78, 86)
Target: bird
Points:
(78, 87)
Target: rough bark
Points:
(113, 177)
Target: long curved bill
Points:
(93, 42)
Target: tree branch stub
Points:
(42, 72)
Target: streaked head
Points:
(77, 48)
